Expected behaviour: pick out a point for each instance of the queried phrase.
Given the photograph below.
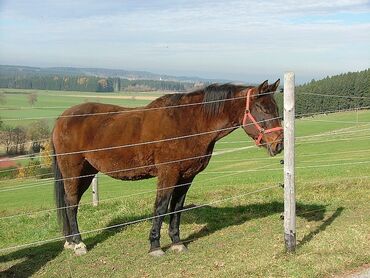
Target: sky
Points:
(238, 40)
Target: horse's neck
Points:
(227, 120)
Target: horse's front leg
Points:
(166, 183)
(177, 203)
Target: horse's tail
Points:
(59, 193)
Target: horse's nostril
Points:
(279, 147)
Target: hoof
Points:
(80, 249)
(178, 248)
(69, 245)
(156, 253)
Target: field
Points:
(229, 237)
(53, 103)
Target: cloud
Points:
(168, 36)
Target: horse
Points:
(172, 138)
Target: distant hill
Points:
(95, 79)
(24, 71)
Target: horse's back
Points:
(79, 123)
(91, 108)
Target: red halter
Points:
(261, 130)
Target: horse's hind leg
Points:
(74, 189)
(177, 203)
(166, 182)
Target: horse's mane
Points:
(211, 96)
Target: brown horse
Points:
(172, 138)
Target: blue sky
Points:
(236, 39)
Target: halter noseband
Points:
(261, 131)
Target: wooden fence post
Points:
(95, 190)
(289, 161)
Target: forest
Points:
(351, 89)
(90, 84)
(345, 91)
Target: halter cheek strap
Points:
(261, 131)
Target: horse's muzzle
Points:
(279, 147)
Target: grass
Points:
(240, 237)
(57, 102)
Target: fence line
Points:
(230, 142)
(26, 186)
(144, 143)
(358, 138)
(155, 190)
(307, 141)
(330, 133)
(299, 167)
(359, 108)
(45, 181)
(297, 116)
(145, 219)
(131, 195)
(334, 121)
(129, 169)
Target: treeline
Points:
(22, 139)
(350, 87)
(90, 84)
(31, 140)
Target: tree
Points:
(36, 133)
(6, 138)
(32, 98)
(46, 155)
(19, 138)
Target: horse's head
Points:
(261, 120)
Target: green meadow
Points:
(51, 104)
(238, 233)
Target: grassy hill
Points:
(237, 237)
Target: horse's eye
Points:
(262, 109)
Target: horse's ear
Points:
(263, 87)
(273, 87)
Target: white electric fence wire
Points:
(150, 218)
(141, 143)
(330, 133)
(309, 114)
(216, 172)
(120, 170)
(298, 167)
(297, 115)
(45, 181)
(128, 196)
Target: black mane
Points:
(212, 96)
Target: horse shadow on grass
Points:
(32, 259)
